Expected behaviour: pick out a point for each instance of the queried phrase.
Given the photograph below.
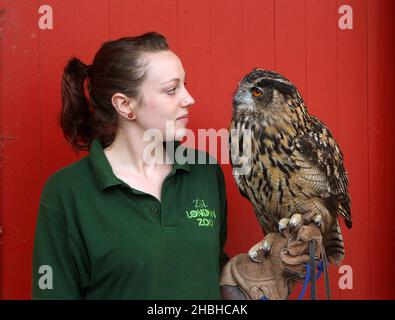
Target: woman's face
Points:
(165, 101)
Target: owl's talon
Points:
(317, 219)
(266, 252)
(319, 222)
(253, 256)
(283, 224)
(295, 222)
(267, 244)
(253, 252)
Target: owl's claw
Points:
(264, 245)
(283, 224)
(267, 246)
(317, 219)
(319, 222)
(253, 256)
(295, 222)
(267, 243)
(253, 252)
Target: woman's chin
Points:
(180, 134)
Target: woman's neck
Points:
(129, 152)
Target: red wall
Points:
(346, 77)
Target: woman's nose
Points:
(188, 100)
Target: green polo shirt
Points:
(98, 238)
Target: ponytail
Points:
(116, 67)
(75, 118)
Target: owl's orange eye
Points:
(256, 92)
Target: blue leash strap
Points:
(322, 267)
(307, 278)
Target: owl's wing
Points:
(320, 149)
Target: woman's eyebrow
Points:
(174, 79)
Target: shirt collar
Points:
(102, 169)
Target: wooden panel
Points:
(290, 41)
(258, 34)
(226, 39)
(194, 52)
(352, 137)
(290, 51)
(381, 171)
(321, 61)
(320, 95)
(91, 19)
(126, 18)
(257, 50)
(2, 192)
(161, 16)
(345, 76)
(20, 127)
(57, 46)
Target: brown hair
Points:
(117, 67)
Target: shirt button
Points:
(154, 210)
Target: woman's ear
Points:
(124, 105)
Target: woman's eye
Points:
(256, 92)
(171, 91)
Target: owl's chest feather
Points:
(265, 152)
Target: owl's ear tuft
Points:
(285, 88)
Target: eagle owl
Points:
(286, 162)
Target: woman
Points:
(114, 225)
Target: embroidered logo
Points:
(203, 215)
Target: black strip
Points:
(313, 290)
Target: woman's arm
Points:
(59, 270)
(223, 258)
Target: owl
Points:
(287, 163)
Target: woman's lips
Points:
(184, 118)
